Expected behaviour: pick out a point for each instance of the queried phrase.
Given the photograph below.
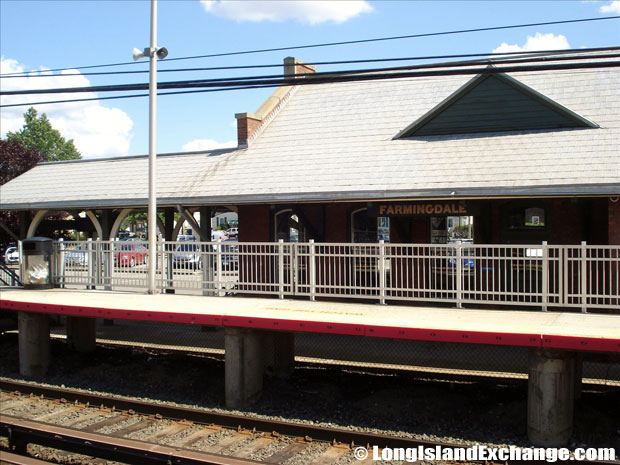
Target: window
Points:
(526, 222)
(526, 218)
(452, 229)
(288, 227)
(368, 229)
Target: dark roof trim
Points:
(410, 130)
(610, 189)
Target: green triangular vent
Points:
(494, 103)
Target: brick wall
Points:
(254, 223)
(596, 221)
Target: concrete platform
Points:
(536, 329)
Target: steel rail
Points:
(22, 431)
(321, 433)
(9, 458)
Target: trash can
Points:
(37, 263)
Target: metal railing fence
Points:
(544, 276)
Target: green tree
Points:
(15, 159)
(38, 134)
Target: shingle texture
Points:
(336, 141)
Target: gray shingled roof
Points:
(335, 142)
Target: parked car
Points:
(466, 263)
(186, 237)
(76, 256)
(218, 234)
(130, 254)
(187, 256)
(230, 255)
(233, 233)
(11, 255)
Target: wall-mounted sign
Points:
(423, 208)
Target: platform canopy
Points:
(348, 141)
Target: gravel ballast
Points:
(491, 412)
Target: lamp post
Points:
(153, 53)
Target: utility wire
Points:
(315, 77)
(254, 84)
(348, 42)
(326, 63)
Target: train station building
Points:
(521, 157)
(486, 184)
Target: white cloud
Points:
(96, 130)
(611, 7)
(537, 42)
(305, 11)
(198, 145)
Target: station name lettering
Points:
(423, 209)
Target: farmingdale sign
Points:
(426, 208)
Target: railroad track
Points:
(130, 431)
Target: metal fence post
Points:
(90, 263)
(459, 277)
(312, 268)
(218, 264)
(294, 268)
(161, 264)
(108, 263)
(60, 263)
(96, 259)
(281, 268)
(382, 272)
(20, 257)
(545, 275)
(584, 277)
(206, 260)
(562, 280)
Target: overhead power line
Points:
(333, 78)
(533, 53)
(332, 44)
(315, 77)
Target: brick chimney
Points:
(294, 67)
(248, 124)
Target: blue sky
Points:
(41, 35)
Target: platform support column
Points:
(81, 335)
(34, 343)
(279, 353)
(578, 375)
(550, 397)
(244, 366)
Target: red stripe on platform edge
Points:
(424, 334)
(112, 313)
(454, 335)
(597, 344)
(294, 325)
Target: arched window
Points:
(288, 227)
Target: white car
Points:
(221, 235)
(11, 255)
(233, 232)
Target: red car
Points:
(130, 255)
